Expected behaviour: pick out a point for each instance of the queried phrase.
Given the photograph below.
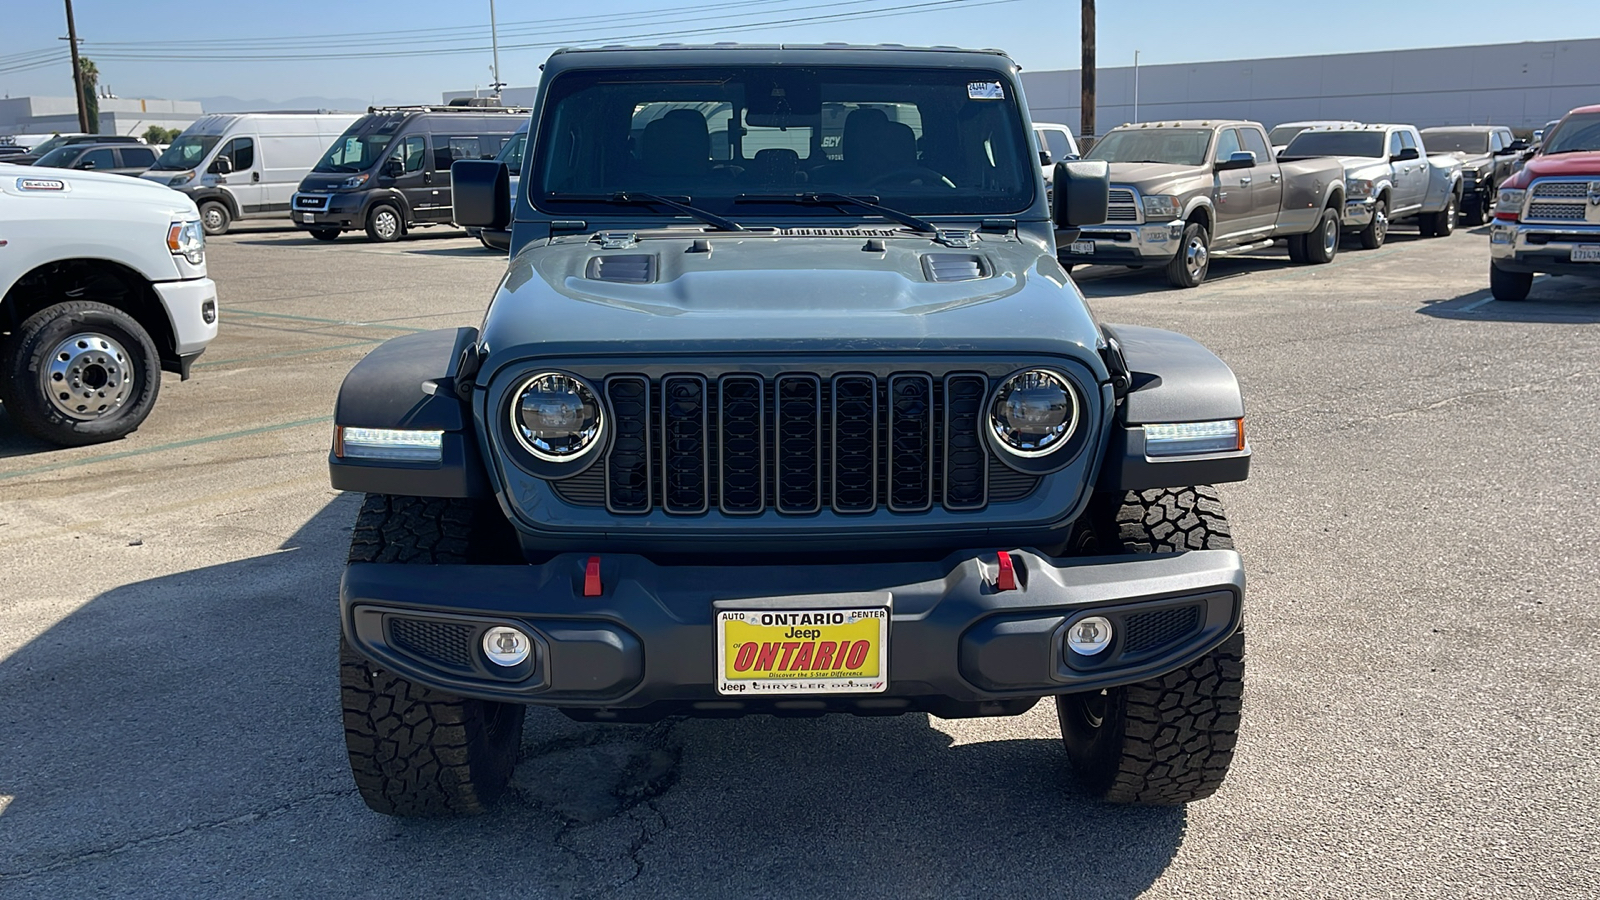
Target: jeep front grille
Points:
(796, 443)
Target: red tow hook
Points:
(1007, 579)
(591, 577)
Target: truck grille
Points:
(1556, 212)
(1558, 201)
(796, 443)
(1122, 206)
(312, 202)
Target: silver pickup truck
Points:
(1183, 192)
(1388, 176)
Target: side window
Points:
(133, 157)
(1408, 141)
(1255, 143)
(243, 153)
(1394, 143)
(1227, 144)
(449, 148)
(99, 158)
(413, 153)
(1056, 143)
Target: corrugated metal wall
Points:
(1521, 85)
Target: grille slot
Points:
(966, 463)
(1122, 206)
(447, 644)
(1557, 212)
(742, 411)
(628, 464)
(1563, 190)
(1154, 630)
(683, 444)
(855, 443)
(910, 443)
(798, 448)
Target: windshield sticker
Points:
(985, 90)
(40, 184)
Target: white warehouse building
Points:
(1521, 85)
(118, 115)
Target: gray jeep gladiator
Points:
(785, 405)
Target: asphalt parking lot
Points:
(1423, 680)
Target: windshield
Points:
(511, 153)
(923, 141)
(1575, 134)
(1283, 134)
(1173, 146)
(188, 151)
(362, 144)
(59, 157)
(50, 144)
(1456, 141)
(1336, 143)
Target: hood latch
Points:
(959, 238)
(616, 240)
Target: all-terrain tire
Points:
(1376, 231)
(1509, 287)
(384, 223)
(215, 217)
(1189, 267)
(1168, 740)
(325, 234)
(415, 751)
(88, 355)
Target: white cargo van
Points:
(246, 165)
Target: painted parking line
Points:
(161, 448)
(1474, 305)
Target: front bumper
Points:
(1149, 244)
(326, 210)
(1358, 213)
(1532, 247)
(646, 646)
(186, 303)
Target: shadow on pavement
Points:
(1556, 301)
(185, 731)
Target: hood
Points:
(1153, 178)
(1567, 164)
(785, 293)
(1469, 160)
(102, 186)
(326, 181)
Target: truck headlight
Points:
(556, 416)
(181, 178)
(354, 181)
(1160, 206)
(188, 240)
(1508, 205)
(1034, 413)
(1184, 438)
(1358, 188)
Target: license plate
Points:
(1084, 247)
(1586, 253)
(307, 217)
(790, 651)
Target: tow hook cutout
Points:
(1007, 579)
(591, 577)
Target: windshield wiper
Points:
(637, 198)
(825, 198)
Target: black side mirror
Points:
(1518, 146)
(480, 192)
(394, 167)
(1044, 158)
(1406, 154)
(86, 164)
(222, 166)
(1081, 193)
(1238, 159)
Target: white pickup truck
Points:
(102, 286)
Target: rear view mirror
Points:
(480, 191)
(86, 164)
(222, 166)
(1239, 159)
(1518, 146)
(1044, 158)
(1406, 154)
(394, 167)
(1082, 188)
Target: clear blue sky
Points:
(160, 48)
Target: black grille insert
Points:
(966, 462)
(742, 411)
(798, 448)
(855, 443)
(628, 464)
(684, 459)
(910, 443)
(447, 644)
(1153, 630)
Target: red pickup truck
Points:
(1547, 216)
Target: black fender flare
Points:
(216, 192)
(392, 196)
(410, 382)
(1172, 379)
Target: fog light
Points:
(208, 312)
(1089, 635)
(506, 646)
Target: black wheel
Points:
(1168, 740)
(1188, 269)
(1511, 287)
(1297, 248)
(415, 751)
(1373, 236)
(1477, 211)
(384, 223)
(1443, 222)
(325, 234)
(79, 373)
(1322, 245)
(215, 217)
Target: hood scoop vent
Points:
(838, 232)
(942, 267)
(633, 268)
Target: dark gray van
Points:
(390, 171)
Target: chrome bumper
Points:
(1152, 243)
(1358, 213)
(1534, 247)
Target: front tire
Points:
(79, 373)
(215, 217)
(1168, 740)
(1377, 231)
(384, 224)
(415, 751)
(1509, 287)
(1478, 212)
(1188, 269)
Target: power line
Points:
(64, 57)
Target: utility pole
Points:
(1136, 85)
(494, 41)
(1086, 73)
(77, 75)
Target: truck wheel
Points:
(1478, 212)
(1188, 269)
(1297, 248)
(415, 751)
(325, 234)
(383, 223)
(1322, 245)
(1168, 740)
(79, 373)
(215, 217)
(1443, 222)
(1511, 287)
(1377, 230)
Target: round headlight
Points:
(1034, 413)
(556, 417)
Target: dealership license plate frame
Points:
(863, 614)
(1586, 253)
(1082, 248)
